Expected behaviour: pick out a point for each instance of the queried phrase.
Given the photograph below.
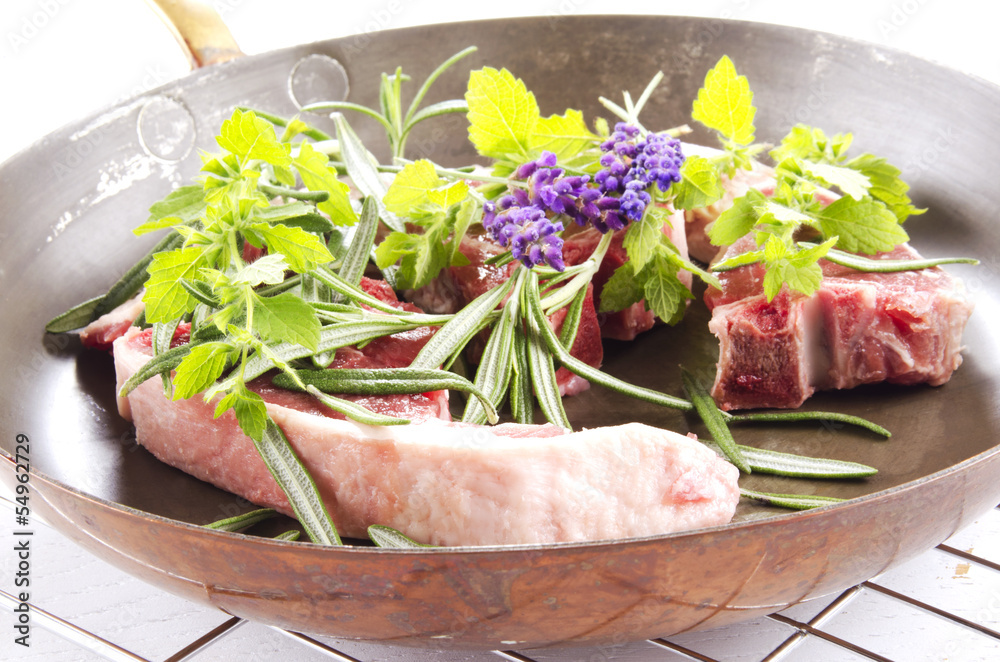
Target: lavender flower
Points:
(527, 219)
(632, 163)
(530, 234)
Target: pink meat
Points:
(859, 328)
(628, 323)
(450, 483)
(103, 331)
(455, 287)
(697, 221)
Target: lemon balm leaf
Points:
(409, 189)
(249, 137)
(886, 185)
(165, 297)
(318, 176)
(564, 135)
(699, 186)
(725, 103)
(852, 182)
(200, 368)
(286, 318)
(502, 114)
(864, 226)
(302, 250)
(737, 220)
(181, 205)
(448, 195)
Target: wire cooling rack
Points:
(942, 605)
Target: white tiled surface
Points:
(60, 59)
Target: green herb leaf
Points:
(886, 185)
(318, 176)
(494, 371)
(448, 195)
(249, 408)
(162, 363)
(269, 269)
(699, 186)
(543, 371)
(286, 318)
(243, 521)
(851, 182)
(181, 205)
(503, 114)
(408, 191)
(302, 250)
(78, 316)
(887, 266)
(725, 103)
(738, 220)
(621, 290)
(200, 368)
(812, 144)
(665, 294)
(249, 137)
(714, 420)
(564, 135)
(522, 401)
(864, 226)
(422, 256)
(644, 237)
(463, 326)
(165, 296)
(799, 466)
(799, 269)
(790, 501)
(353, 410)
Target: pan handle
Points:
(199, 30)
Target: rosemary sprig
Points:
(714, 421)
(243, 521)
(790, 501)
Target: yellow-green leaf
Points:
(165, 297)
(286, 318)
(725, 103)
(502, 113)
(318, 176)
(410, 186)
(564, 135)
(200, 368)
(250, 137)
(302, 250)
(446, 196)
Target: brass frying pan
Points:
(67, 232)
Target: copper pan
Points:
(69, 202)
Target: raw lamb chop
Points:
(449, 483)
(904, 327)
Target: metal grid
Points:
(961, 621)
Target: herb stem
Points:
(285, 192)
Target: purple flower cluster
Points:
(632, 163)
(526, 219)
(520, 219)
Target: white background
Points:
(60, 59)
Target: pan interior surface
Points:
(70, 202)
